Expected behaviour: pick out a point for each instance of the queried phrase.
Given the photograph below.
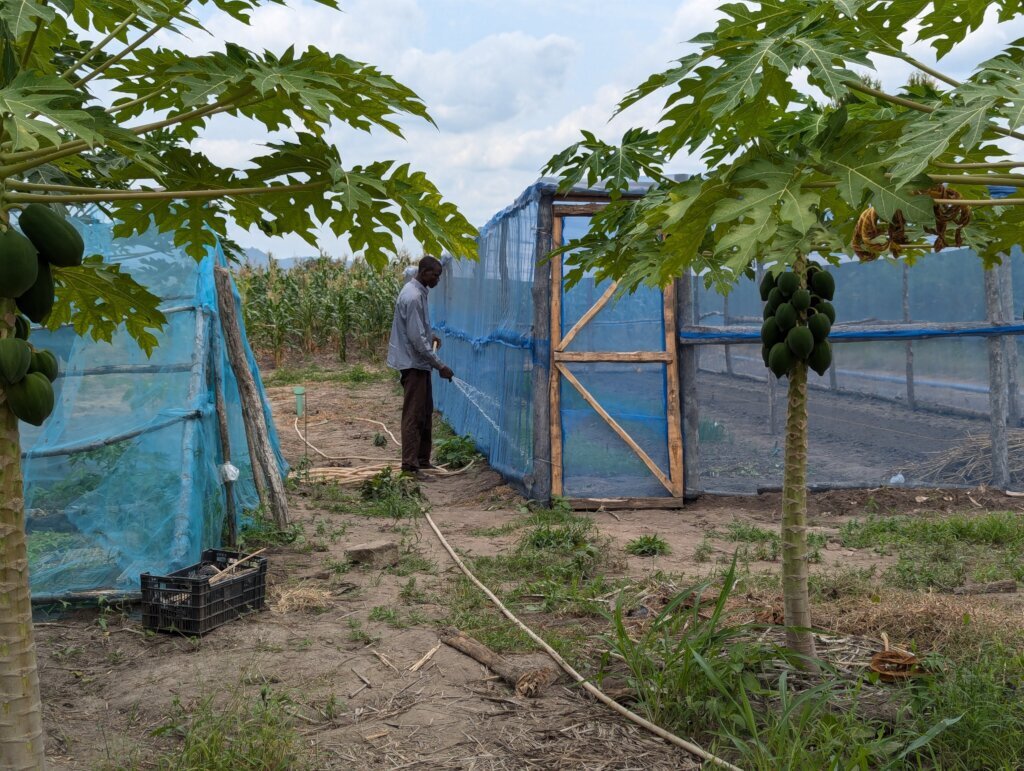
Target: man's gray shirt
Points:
(411, 345)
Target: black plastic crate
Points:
(188, 604)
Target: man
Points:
(411, 352)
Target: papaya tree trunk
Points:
(21, 713)
(794, 511)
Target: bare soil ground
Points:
(339, 643)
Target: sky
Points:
(508, 82)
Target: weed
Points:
(455, 452)
(650, 545)
(259, 531)
(387, 615)
(413, 562)
(246, 733)
(357, 634)
(390, 495)
(703, 551)
(337, 567)
(410, 594)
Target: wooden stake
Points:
(675, 431)
(687, 369)
(997, 387)
(252, 406)
(225, 441)
(539, 487)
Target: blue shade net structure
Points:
(920, 361)
(487, 313)
(483, 312)
(125, 476)
(926, 365)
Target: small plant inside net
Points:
(650, 545)
(455, 452)
(379, 440)
(711, 430)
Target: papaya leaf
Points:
(97, 299)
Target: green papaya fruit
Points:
(21, 327)
(15, 360)
(821, 358)
(801, 300)
(767, 285)
(785, 317)
(780, 360)
(823, 284)
(788, 283)
(19, 264)
(770, 333)
(768, 311)
(38, 300)
(826, 309)
(775, 298)
(45, 362)
(800, 342)
(820, 326)
(57, 240)
(31, 399)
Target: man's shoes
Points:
(428, 466)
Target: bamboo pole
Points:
(252, 406)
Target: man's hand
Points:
(437, 342)
(446, 373)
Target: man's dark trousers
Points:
(417, 419)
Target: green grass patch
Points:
(649, 545)
(944, 553)
(245, 734)
(355, 374)
(259, 531)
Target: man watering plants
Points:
(411, 352)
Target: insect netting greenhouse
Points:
(126, 476)
(600, 396)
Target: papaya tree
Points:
(92, 111)
(805, 155)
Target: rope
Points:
(587, 686)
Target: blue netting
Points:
(124, 476)
(483, 311)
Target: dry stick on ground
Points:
(587, 686)
(527, 681)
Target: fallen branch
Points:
(529, 682)
(587, 686)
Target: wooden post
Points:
(687, 365)
(225, 439)
(1010, 343)
(672, 398)
(554, 378)
(911, 401)
(540, 485)
(997, 386)
(252, 405)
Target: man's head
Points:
(429, 271)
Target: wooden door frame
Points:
(673, 478)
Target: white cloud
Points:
(498, 77)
